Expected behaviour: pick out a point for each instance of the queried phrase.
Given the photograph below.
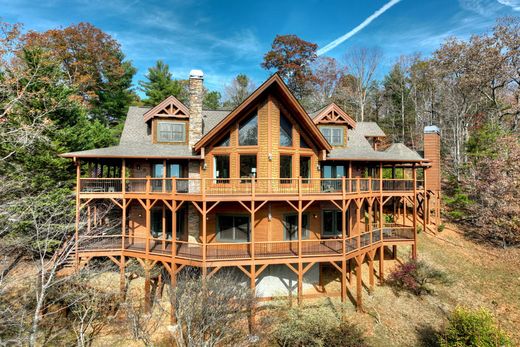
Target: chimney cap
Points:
(432, 129)
(196, 74)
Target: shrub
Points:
(320, 326)
(472, 328)
(416, 277)
(441, 228)
(389, 218)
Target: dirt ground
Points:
(480, 277)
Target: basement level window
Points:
(171, 132)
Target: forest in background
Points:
(69, 89)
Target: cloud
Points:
(357, 29)
(514, 4)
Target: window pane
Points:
(305, 166)
(247, 166)
(248, 132)
(180, 223)
(285, 132)
(171, 132)
(225, 227)
(303, 143)
(224, 142)
(241, 228)
(285, 166)
(328, 222)
(157, 170)
(340, 171)
(326, 133)
(339, 219)
(156, 223)
(221, 166)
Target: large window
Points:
(221, 168)
(171, 132)
(285, 168)
(332, 223)
(286, 139)
(247, 166)
(290, 226)
(224, 142)
(233, 228)
(305, 168)
(334, 135)
(156, 223)
(333, 171)
(248, 131)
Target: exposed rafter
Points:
(169, 107)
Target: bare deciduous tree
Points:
(362, 63)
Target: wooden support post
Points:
(425, 204)
(359, 285)
(300, 283)
(173, 285)
(122, 277)
(174, 228)
(252, 321)
(204, 241)
(123, 176)
(343, 281)
(148, 226)
(88, 219)
(394, 252)
(163, 236)
(123, 225)
(371, 270)
(147, 294)
(414, 246)
(381, 265)
(78, 203)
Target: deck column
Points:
(300, 283)
(122, 278)
(425, 203)
(78, 202)
(204, 240)
(147, 295)
(173, 284)
(414, 247)
(359, 284)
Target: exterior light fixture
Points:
(270, 157)
(318, 167)
(204, 166)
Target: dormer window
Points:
(168, 131)
(334, 135)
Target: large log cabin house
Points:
(278, 194)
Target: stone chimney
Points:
(196, 89)
(432, 152)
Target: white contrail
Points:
(354, 31)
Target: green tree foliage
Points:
(211, 100)
(93, 64)
(472, 328)
(292, 57)
(160, 84)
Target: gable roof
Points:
(275, 81)
(333, 114)
(169, 107)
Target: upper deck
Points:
(244, 188)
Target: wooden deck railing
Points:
(217, 251)
(243, 186)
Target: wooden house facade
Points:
(267, 189)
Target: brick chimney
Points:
(196, 89)
(432, 152)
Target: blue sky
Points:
(225, 38)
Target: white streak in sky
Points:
(357, 29)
